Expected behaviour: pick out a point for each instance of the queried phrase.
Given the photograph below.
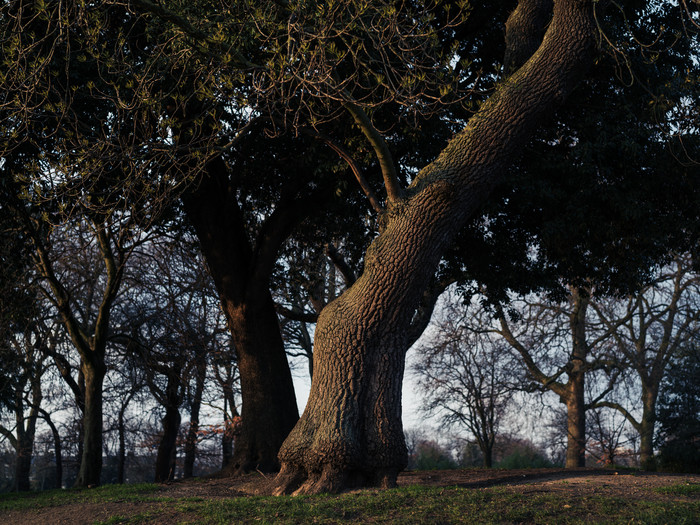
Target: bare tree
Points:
(658, 321)
(557, 341)
(25, 363)
(173, 326)
(466, 377)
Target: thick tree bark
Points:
(91, 460)
(350, 433)
(241, 274)
(265, 379)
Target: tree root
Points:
(329, 480)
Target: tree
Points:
(350, 432)
(556, 340)
(25, 363)
(466, 379)
(607, 437)
(173, 327)
(658, 322)
(362, 334)
(83, 295)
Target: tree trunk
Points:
(269, 409)
(575, 387)
(267, 415)
(167, 448)
(576, 425)
(121, 460)
(23, 464)
(191, 440)
(488, 456)
(57, 450)
(227, 434)
(26, 430)
(646, 429)
(350, 433)
(93, 372)
(226, 450)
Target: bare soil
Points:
(631, 485)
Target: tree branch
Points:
(184, 24)
(394, 193)
(339, 261)
(357, 171)
(621, 409)
(296, 315)
(525, 28)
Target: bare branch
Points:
(339, 261)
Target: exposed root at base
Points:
(330, 480)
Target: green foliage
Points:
(431, 456)
(678, 414)
(610, 187)
(524, 455)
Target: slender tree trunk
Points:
(167, 448)
(350, 433)
(121, 460)
(575, 387)
(229, 435)
(192, 431)
(57, 448)
(91, 460)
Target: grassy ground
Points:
(558, 501)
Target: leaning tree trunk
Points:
(56, 447)
(91, 461)
(350, 433)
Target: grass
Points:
(681, 489)
(416, 504)
(55, 498)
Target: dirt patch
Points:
(630, 485)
